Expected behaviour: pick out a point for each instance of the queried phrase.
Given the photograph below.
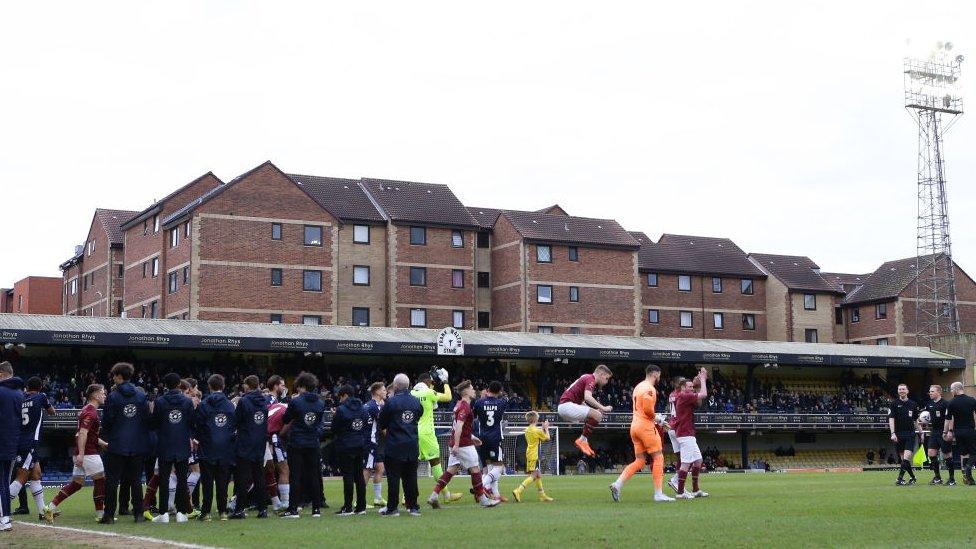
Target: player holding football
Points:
(902, 415)
(463, 451)
(34, 407)
(490, 411)
(934, 443)
(430, 450)
(533, 436)
(644, 435)
(577, 405)
(87, 462)
(685, 403)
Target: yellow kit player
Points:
(533, 436)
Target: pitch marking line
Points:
(115, 535)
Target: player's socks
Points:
(443, 480)
(476, 484)
(38, 492)
(65, 492)
(907, 466)
(538, 485)
(588, 427)
(682, 478)
(377, 491)
(436, 470)
(657, 471)
(283, 493)
(630, 470)
(15, 487)
(934, 462)
(271, 483)
(98, 494)
(527, 482)
(951, 466)
(172, 493)
(150, 497)
(695, 469)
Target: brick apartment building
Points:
(881, 309)
(92, 279)
(705, 287)
(275, 247)
(799, 300)
(37, 295)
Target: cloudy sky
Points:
(777, 124)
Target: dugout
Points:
(80, 343)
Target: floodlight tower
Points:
(933, 99)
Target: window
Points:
(74, 286)
(145, 268)
(311, 320)
(543, 294)
(275, 318)
(84, 283)
(574, 294)
(118, 308)
(685, 319)
(856, 314)
(543, 253)
(716, 285)
(748, 322)
(313, 235)
(882, 341)
(145, 231)
(312, 281)
(174, 279)
(360, 275)
(143, 314)
(881, 311)
(186, 229)
(457, 318)
(186, 275)
(810, 335)
(574, 330)
(155, 267)
(418, 236)
(653, 316)
(155, 224)
(652, 280)
(276, 231)
(360, 316)
(544, 329)
(484, 240)
(810, 302)
(746, 285)
(484, 279)
(418, 318)
(457, 278)
(484, 320)
(838, 316)
(153, 310)
(360, 234)
(121, 271)
(457, 239)
(418, 276)
(276, 277)
(684, 283)
(174, 237)
(573, 253)
(91, 246)
(718, 321)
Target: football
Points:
(924, 417)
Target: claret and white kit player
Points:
(685, 402)
(577, 405)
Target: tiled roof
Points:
(645, 254)
(555, 209)
(422, 203)
(886, 282)
(343, 198)
(570, 229)
(796, 271)
(697, 255)
(112, 221)
(845, 282)
(157, 205)
(486, 217)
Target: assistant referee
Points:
(902, 415)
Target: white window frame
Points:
(684, 278)
(418, 318)
(539, 298)
(358, 274)
(681, 319)
(357, 234)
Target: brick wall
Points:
(703, 303)
(506, 277)
(236, 252)
(869, 328)
(39, 295)
(71, 302)
(372, 255)
(820, 319)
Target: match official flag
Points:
(919, 458)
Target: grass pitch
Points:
(812, 509)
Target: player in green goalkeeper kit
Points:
(430, 450)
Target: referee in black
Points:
(902, 415)
(960, 426)
(935, 443)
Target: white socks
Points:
(172, 491)
(377, 490)
(191, 481)
(15, 489)
(38, 492)
(283, 491)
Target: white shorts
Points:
(675, 447)
(576, 413)
(92, 465)
(689, 449)
(467, 457)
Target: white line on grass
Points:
(115, 535)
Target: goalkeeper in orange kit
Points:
(645, 436)
(533, 436)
